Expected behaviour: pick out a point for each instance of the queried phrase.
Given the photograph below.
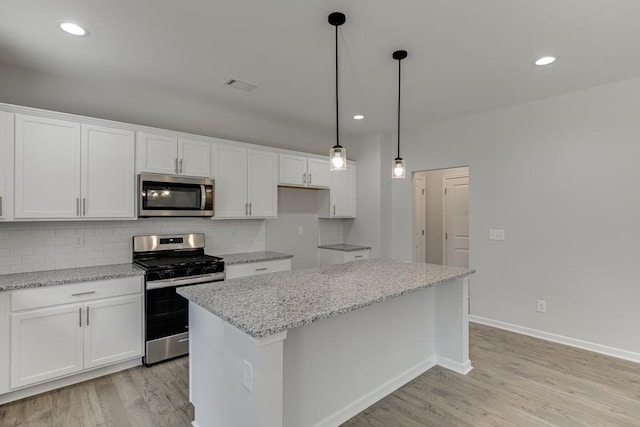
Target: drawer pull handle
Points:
(359, 256)
(262, 269)
(183, 340)
(79, 294)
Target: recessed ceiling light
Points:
(74, 29)
(545, 60)
(358, 117)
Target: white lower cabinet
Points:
(45, 344)
(49, 342)
(333, 257)
(256, 268)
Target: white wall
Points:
(373, 212)
(39, 246)
(561, 176)
(115, 101)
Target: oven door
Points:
(165, 195)
(167, 317)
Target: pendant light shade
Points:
(399, 169)
(337, 154)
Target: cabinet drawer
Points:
(356, 255)
(77, 292)
(256, 268)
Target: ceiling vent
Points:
(238, 84)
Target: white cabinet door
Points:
(45, 344)
(318, 173)
(6, 166)
(157, 153)
(231, 182)
(47, 168)
(343, 190)
(108, 172)
(262, 184)
(112, 330)
(293, 170)
(194, 158)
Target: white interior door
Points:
(456, 220)
(419, 219)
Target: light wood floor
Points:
(516, 381)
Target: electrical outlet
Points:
(496, 234)
(541, 306)
(78, 241)
(300, 230)
(247, 377)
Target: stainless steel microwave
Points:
(168, 195)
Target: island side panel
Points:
(452, 325)
(218, 389)
(336, 367)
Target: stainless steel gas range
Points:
(171, 261)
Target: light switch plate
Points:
(495, 234)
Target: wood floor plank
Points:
(516, 381)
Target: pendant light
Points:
(337, 154)
(399, 170)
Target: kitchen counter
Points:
(9, 282)
(344, 247)
(249, 257)
(314, 347)
(265, 305)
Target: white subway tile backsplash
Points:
(330, 231)
(39, 246)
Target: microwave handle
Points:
(203, 197)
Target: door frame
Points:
(444, 211)
(414, 217)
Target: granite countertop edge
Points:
(38, 279)
(344, 247)
(251, 257)
(268, 331)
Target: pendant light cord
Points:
(337, 114)
(399, 77)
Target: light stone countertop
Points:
(344, 247)
(9, 282)
(271, 303)
(249, 257)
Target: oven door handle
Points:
(182, 281)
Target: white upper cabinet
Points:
(301, 171)
(343, 193)
(6, 166)
(262, 185)
(340, 200)
(64, 170)
(108, 175)
(47, 168)
(318, 172)
(246, 182)
(173, 156)
(230, 192)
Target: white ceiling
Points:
(465, 56)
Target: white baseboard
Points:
(452, 365)
(376, 394)
(560, 339)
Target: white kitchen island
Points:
(315, 347)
